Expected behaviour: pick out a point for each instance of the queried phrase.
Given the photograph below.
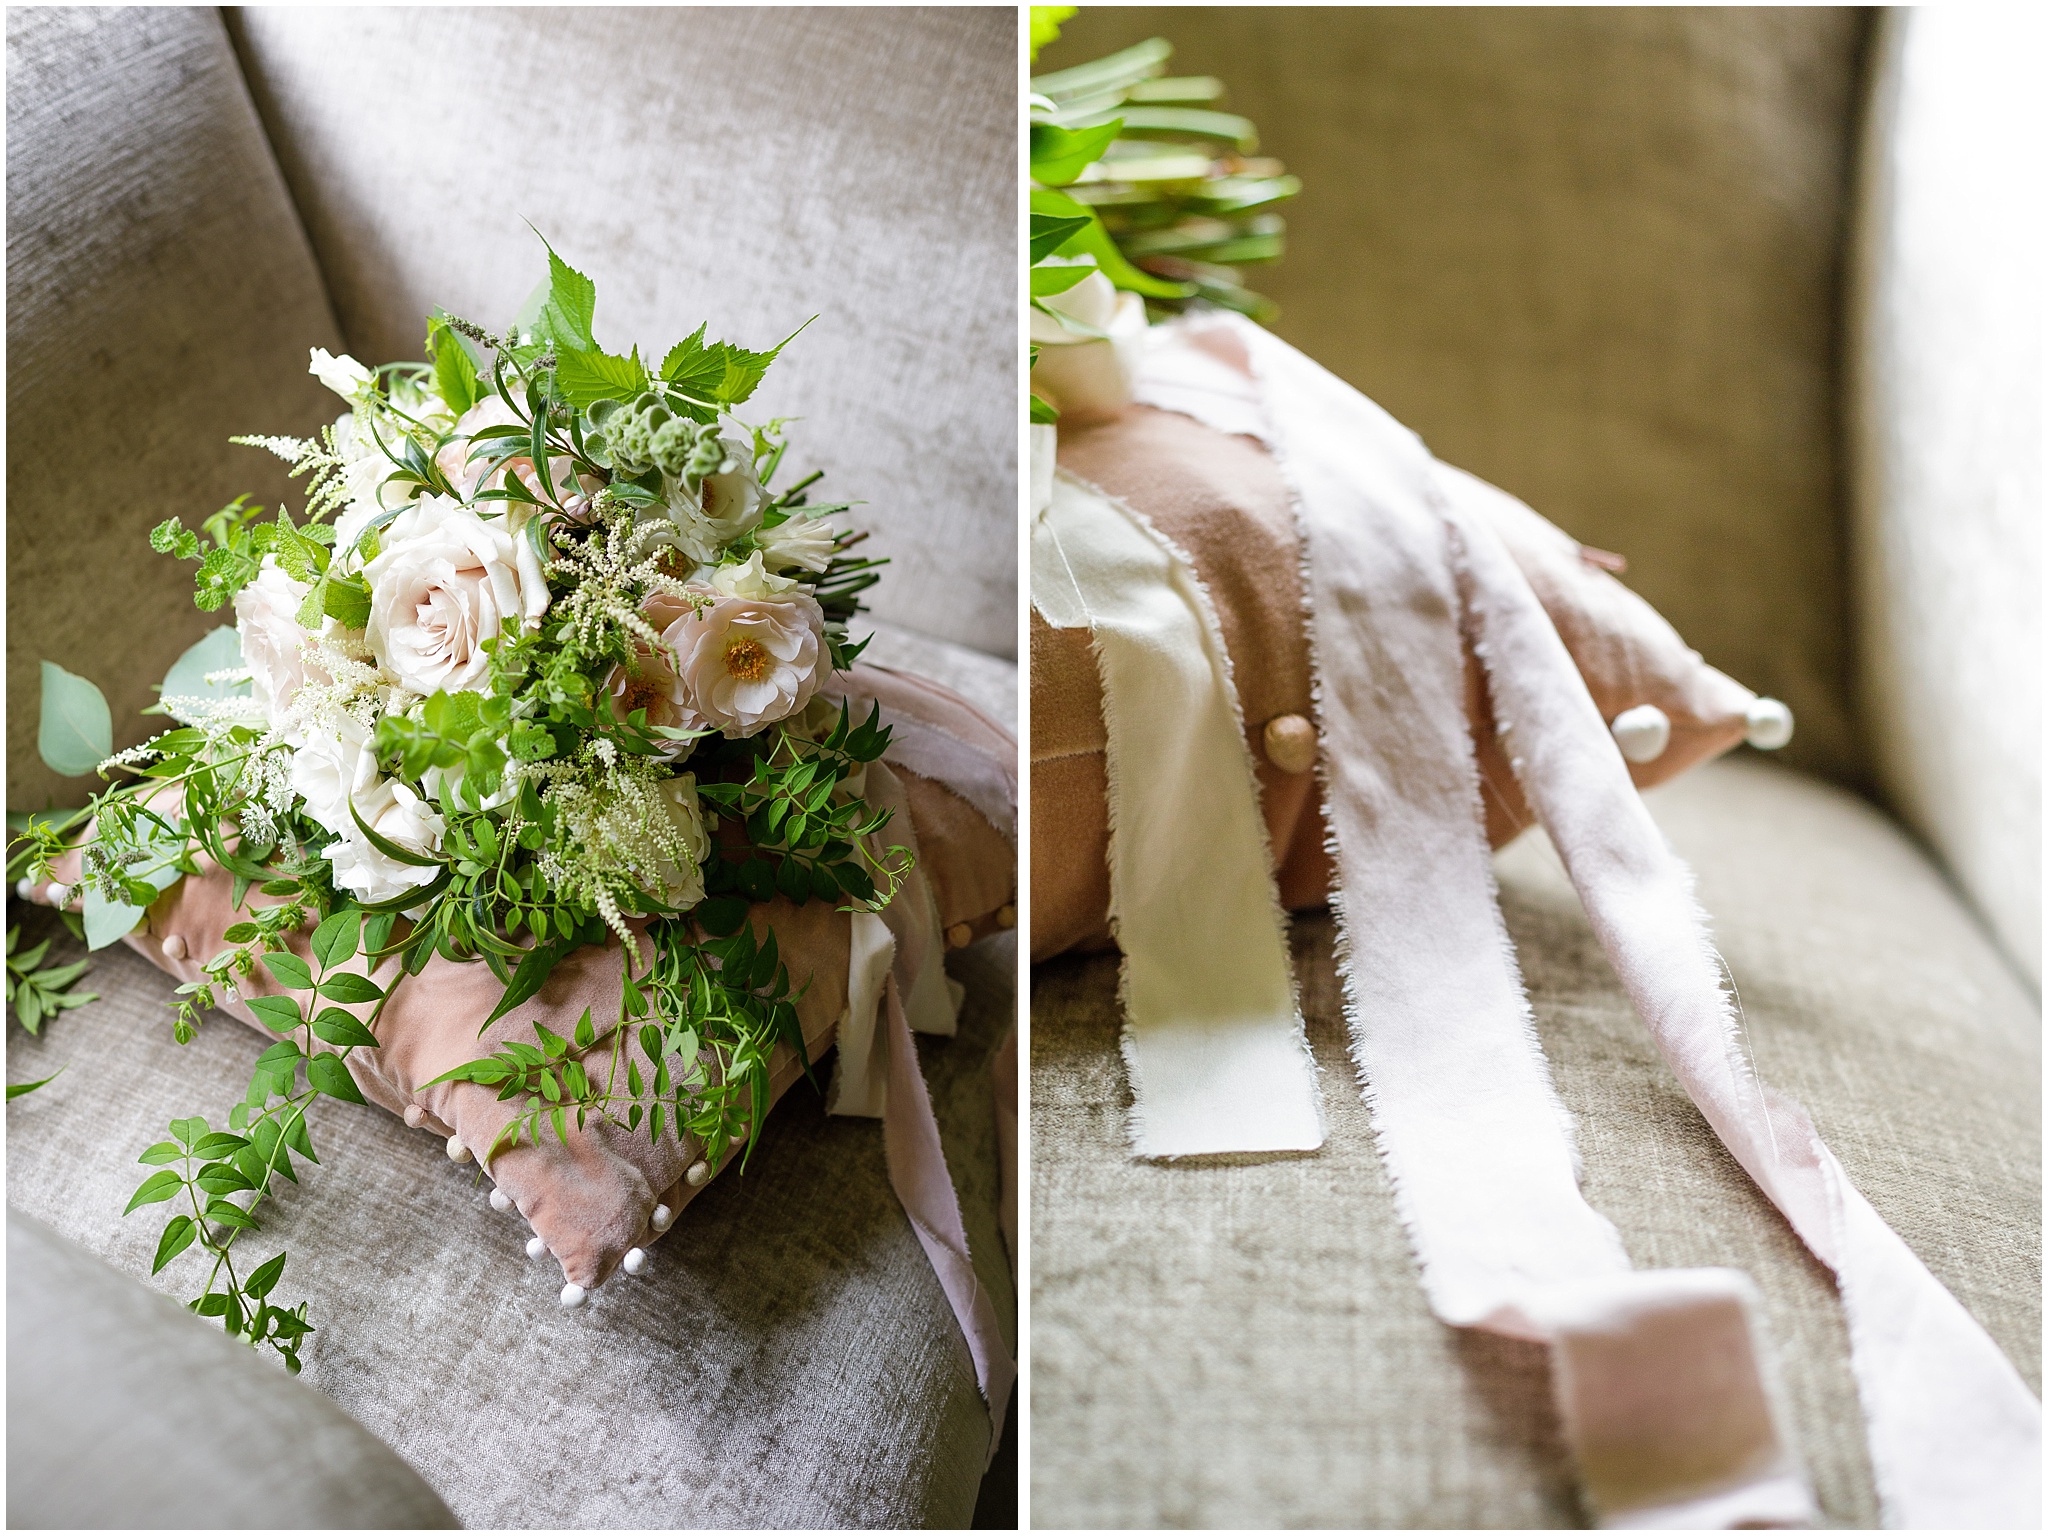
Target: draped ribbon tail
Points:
(1213, 1039)
(1954, 1433)
(918, 1174)
(1661, 1375)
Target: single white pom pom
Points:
(662, 1219)
(457, 1152)
(1770, 725)
(1642, 733)
(25, 888)
(174, 947)
(500, 1201)
(415, 1116)
(535, 1247)
(59, 894)
(573, 1294)
(636, 1260)
(697, 1175)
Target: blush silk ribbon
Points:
(896, 984)
(1661, 1375)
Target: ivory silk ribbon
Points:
(1213, 1040)
(1660, 1376)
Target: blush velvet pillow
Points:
(602, 1191)
(1221, 500)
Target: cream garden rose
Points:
(336, 775)
(274, 644)
(742, 663)
(470, 477)
(682, 880)
(445, 580)
(651, 684)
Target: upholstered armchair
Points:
(195, 198)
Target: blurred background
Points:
(1746, 295)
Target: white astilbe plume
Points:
(290, 449)
(613, 832)
(321, 457)
(611, 573)
(214, 715)
(342, 678)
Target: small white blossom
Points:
(344, 375)
(748, 578)
(802, 543)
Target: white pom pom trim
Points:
(573, 1294)
(1642, 733)
(1770, 724)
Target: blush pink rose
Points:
(469, 477)
(747, 662)
(652, 683)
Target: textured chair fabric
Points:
(209, 1436)
(1946, 398)
(1591, 255)
(788, 1358)
(749, 167)
(160, 298)
(1247, 1343)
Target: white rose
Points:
(1092, 302)
(331, 768)
(725, 507)
(344, 375)
(273, 642)
(748, 578)
(1088, 373)
(445, 581)
(683, 887)
(336, 771)
(398, 816)
(802, 543)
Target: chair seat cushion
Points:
(1246, 1343)
(88, 1349)
(787, 1359)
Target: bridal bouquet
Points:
(539, 666)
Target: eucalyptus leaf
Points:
(107, 922)
(216, 651)
(77, 731)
